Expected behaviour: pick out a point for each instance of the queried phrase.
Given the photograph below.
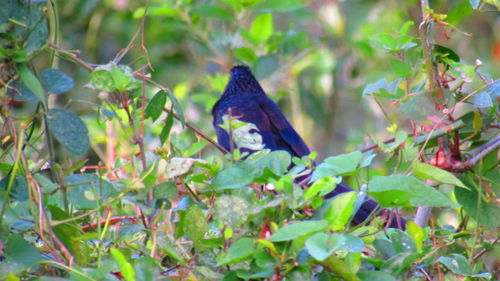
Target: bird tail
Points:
(369, 206)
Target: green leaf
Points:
(416, 233)
(457, 263)
(166, 189)
(69, 130)
(113, 78)
(30, 80)
(22, 92)
(446, 52)
(146, 269)
(277, 161)
(31, 30)
(239, 251)
(56, 82)
(400, 190)
(271, 6)
(166, 129)
(402, 242)
(120, 79)
(262, 28)
(401, 69)
(19, 188)
(426, 171)
(298, 229)
(155, 106)
(322, 245)
(486, 98)
(245, 54)
(338, 165)
(341, 210)
(176, 106)
(194, 148)
(405, 27)
(376, 276)
(102, 80)
(418, 107)
(322, 187)
(482, 100)
(231, 210)
(400, 263)
(69, 233)
(167, 247)
(236, 176)
(264, 259)
(18, 250)
(383, 41)
(483, 211)
(196, 225)
(382, 88)
(211, 11)
(400, 138)
(126, 268)
(85, 191)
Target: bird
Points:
(244, 100)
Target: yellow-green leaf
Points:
(429, 172)
(262, 28)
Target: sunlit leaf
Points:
(245, 54)
(400, 190)
(341, 210)
(426, 171)
(321, 245)
(298, 229)
(338, 165)
(262, 28)
(239, 250)
(126, 269)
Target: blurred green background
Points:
(314, 57)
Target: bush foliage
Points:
(109, 170)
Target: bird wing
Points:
(283, 128)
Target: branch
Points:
(483, 150)
(421, 139)
(439, 132)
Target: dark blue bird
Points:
(245, 100)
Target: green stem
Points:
(12, 175)
(53, 17)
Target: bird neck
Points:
(243, 85)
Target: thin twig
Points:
(484, 250)
(486, 149)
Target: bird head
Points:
(242, 82)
